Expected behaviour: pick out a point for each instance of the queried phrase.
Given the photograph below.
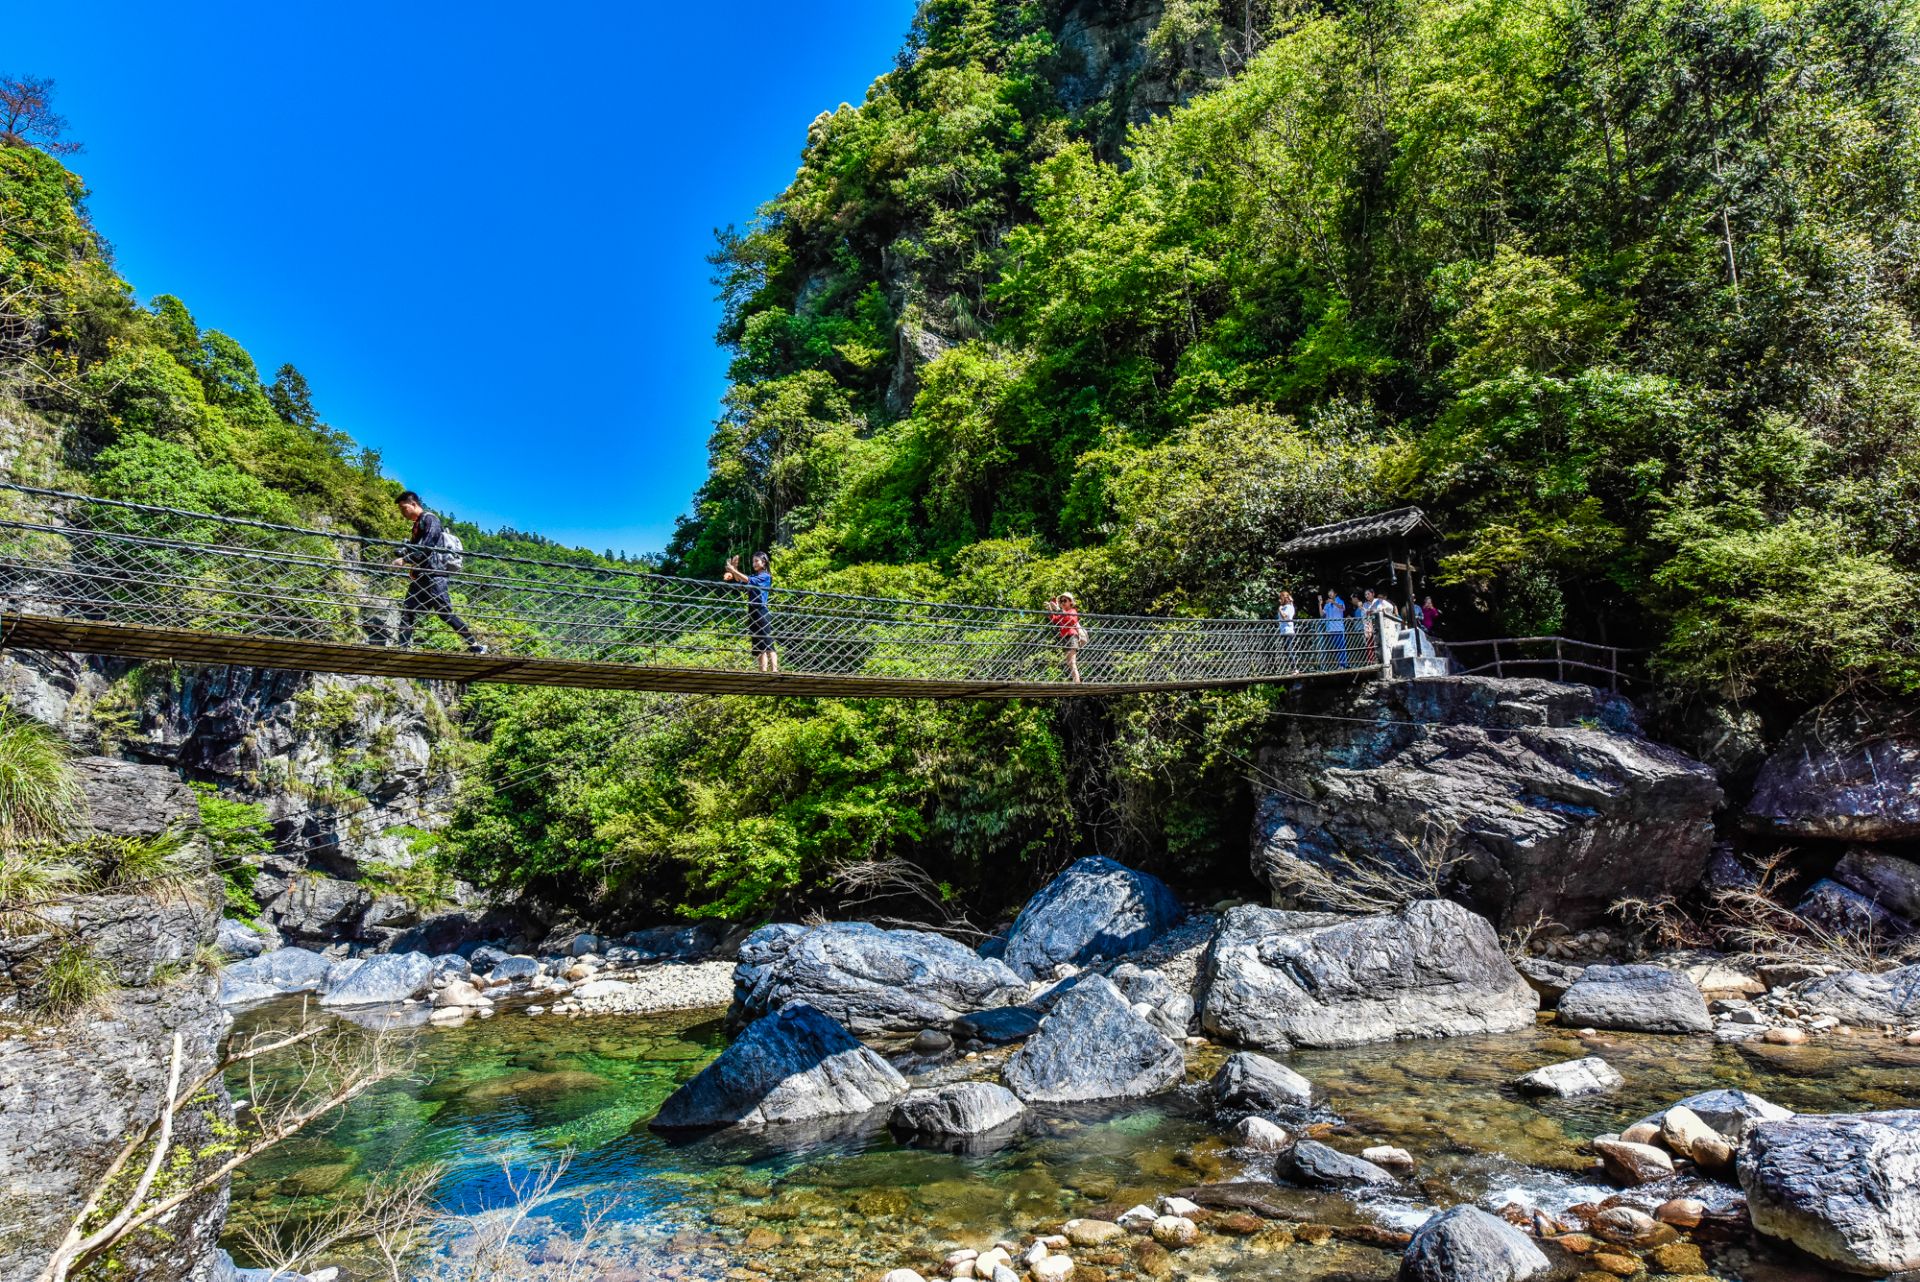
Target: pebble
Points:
(1624, 1222)
(1138, 1217)
(1178, 1206)
(1175, 1230)
(1091, 1232)
(1681, 1212)
(1631, 1163)
(1641, 1133)
(931, 1041)
(1783, 1036)
(1055, 1268)
(1913, 1038)
(1397, 1160)
(1678, 1257)
(1262, 1136)
(1621, 1266)
(1033, 1255)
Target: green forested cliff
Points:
(1620, 291)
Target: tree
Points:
(292, 398)
(27, 117)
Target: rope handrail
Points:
(78, 571)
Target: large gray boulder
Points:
(1635, 999)
(1092, 1046)
(1888, 880)
(1095, 909)
(1728, 1110)
(1251, 1083)
(1466, 1244)
(964, 1108)
(382, 978)
(1542, 798)
(871, 980)
(795, 1065)
(1891, 997)
(1844, 1188)
(1848, 771)
(274, 974)
(1842, 910)
(1277, 979)
(316, 909)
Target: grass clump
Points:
(74, 981)
(40, 799)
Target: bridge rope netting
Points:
(90, 575)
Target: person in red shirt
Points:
(1065, 615)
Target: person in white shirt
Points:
(1284, 616)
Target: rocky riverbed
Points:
(1236, 1094)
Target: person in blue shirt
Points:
(759, 609)
(1335, 614)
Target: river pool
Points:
(495, 1099)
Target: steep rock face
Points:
(1545, 795)
(71, 1091)
(1278, 979)
(345, 767)
(1850, 772)
(869, 979)
(1110, 72)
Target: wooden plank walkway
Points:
(80, 636)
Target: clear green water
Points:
(523, 1090)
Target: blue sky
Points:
(480, 230)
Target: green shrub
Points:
(236, 832)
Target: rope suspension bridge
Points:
(95, 576)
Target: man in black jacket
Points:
(427, 583)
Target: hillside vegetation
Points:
(1620, 291)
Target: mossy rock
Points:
(316, 1180)
(882, 1202)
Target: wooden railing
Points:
(1590, 662)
